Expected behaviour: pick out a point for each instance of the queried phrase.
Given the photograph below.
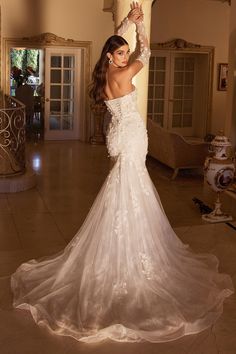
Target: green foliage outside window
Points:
(24, 63)
(17, 57)
(25, 59)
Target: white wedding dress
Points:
(125, 275)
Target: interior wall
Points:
(76, 19)
(203, 22)
(230, 126)
(71, 19)
(199, 21)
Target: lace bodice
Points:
(123, 105)
(126, 133)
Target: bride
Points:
(125, 275)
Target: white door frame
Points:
(77, 102)
(43, 41)
(182, 46)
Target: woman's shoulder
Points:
(119, 76)
(130, 70)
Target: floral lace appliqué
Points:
(120, 221)
(147, 267)
(135, 203)
(120, 289)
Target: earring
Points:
(110, 61)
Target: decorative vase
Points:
(219, 172)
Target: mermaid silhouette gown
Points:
(125, 275)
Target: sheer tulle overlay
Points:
(125, 275)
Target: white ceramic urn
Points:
(219, 172)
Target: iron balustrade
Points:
(12, 136)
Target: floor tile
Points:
(9, 239)
(28, 201)
(69, 223)
(4, 204)
(37, 230)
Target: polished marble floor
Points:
(42, 220)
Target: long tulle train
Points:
(125, 275)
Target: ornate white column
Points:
(121, 9)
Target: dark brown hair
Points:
(99, 73)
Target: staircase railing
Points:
(12, 136)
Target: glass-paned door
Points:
(181, 109)
(158, 88)
(62, 77)
(172, 90)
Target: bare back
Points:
(119, 80)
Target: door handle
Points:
(47, 100)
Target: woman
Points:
(125, 275)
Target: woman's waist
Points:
(126, 117)
(131, 124)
